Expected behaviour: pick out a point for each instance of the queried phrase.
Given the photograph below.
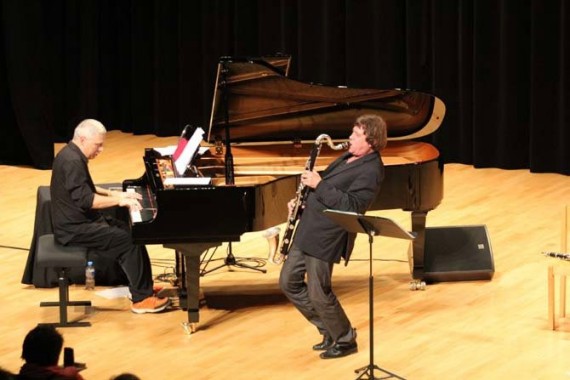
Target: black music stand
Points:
(370, 225)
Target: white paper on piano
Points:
(166, 151)
(113, 293)
(192, 181)
(185, 158)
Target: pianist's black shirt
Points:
(72, 192)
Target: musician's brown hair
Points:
(375, 129)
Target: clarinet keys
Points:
(558, 255)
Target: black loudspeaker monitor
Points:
(459, 253)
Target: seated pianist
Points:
(76, 205)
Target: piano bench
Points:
(61, 258)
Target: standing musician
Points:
(350, 183)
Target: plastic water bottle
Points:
(90, 276)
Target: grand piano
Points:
(262, 127)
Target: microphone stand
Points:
(229, 159)
(230, 259)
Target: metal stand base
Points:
(230, 260)
(368, 373)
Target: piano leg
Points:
(181, 280)
(416, 256)
(189, 291)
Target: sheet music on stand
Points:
(186, 151)
(182, 156)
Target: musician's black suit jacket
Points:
(344, 187)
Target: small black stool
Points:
(61, 259)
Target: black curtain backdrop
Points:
(148, 66)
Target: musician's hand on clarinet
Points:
(310, 178)
(290, 207)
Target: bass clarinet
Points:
(301, 194)
(558, 255)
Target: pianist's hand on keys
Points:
(130, 199)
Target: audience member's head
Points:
(6, 375)
(126, 376)
(42, 346)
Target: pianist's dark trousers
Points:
(315, 298)
(112, 238)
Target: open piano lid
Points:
(264, 105)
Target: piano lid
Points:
(264, 105)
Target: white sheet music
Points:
(189, 151)
(166, 150)
(181, 181)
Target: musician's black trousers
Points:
(315, 298)
(112, 238)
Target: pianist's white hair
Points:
(89, 128)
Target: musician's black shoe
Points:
(339, 350)
(327, 343)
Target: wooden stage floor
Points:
(494, 329)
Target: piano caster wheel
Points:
(189, 328)
(417, 285)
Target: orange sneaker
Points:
(150, 305)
